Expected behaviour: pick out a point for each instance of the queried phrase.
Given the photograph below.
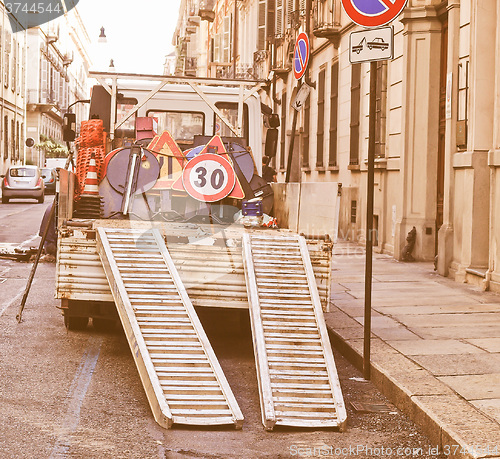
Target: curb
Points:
(449, 421)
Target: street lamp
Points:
(102, 37)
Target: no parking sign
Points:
(301, 55)
(373, 13)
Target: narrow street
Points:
(78, 394)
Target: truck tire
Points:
(5, 200)
(103, 325)
(75, 323)
(41, 199)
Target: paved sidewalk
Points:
(435, 348)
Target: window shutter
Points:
(261, 37)
(14, 67)
(279, 18)
(334, 97)
(320, 137)
(217, 48)
(44, 77)
(302, 6)
(290, 10)
(7, 58)
(61, 91)
(226, 40)
(270, 21)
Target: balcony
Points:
(326, 20)
(190, 66)
(42, 101)
(206, 10)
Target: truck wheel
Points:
(5, 200)
(75, 323)
(103, 325)
(41, 199)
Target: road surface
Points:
(78, 394)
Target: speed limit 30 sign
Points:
(208, 177)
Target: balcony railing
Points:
(326, 19)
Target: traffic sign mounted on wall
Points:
(301, 55)
(373, 13)
(370, 45)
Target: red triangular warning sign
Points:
(171, 158)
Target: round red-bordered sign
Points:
(373, 13)
(208, 177)
(301, 55)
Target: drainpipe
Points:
(308, 32)
(235, 37)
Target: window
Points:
(182, 125)
(320, 132)
(353, 211)
(334, 103)
(22, 172)
(355, 109)
(284, 108)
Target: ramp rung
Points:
(181, 375)
(298, 381)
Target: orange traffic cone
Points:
(89, 204)
(91, 185)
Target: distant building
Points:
(12, 93)
(57, 76)
(169, 65)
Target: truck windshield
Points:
(182, 125)
(230, 112)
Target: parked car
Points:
(23, 182)
(49, 179)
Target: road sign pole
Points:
(292, 142)
(369, 224)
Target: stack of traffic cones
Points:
(89, 205)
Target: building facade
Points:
(12, 93)
(57, 67)
(437, 119)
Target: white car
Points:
(23, 182)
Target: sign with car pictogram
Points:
(373, 13)
(371, 45)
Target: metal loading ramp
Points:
(298, 380)
(182, 378)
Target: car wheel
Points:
(41, 199)
(5, 200)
